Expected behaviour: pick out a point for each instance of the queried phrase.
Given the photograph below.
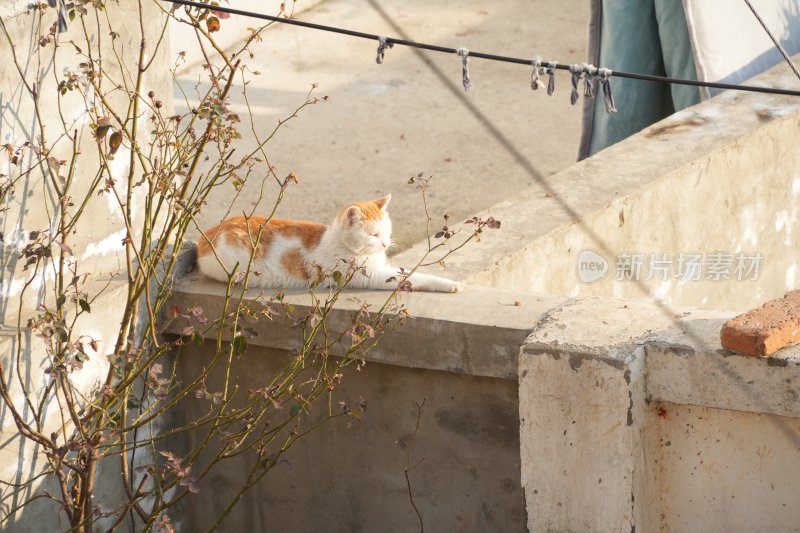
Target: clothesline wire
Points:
(479, 55)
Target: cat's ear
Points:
(352, 214)
(383, 202)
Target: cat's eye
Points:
(374, 235)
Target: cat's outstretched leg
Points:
(431, 283)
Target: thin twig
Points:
(409, 467)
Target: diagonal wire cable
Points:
(774, 40)
(479, 55)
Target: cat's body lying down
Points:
(289, 253)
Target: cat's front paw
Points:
(457, 286)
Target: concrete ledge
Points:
(482, 332)
(476, 332)
(687, 365)
(649, 194)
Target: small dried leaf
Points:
(213, 24)
(101, 131)
(115, 141)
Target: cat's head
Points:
(365, 227)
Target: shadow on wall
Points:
(22, 455)
(15, 129)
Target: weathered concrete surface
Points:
(581, 386)
(607, 386)
(351, 479)
(718, 177)
(476, 332)
(384, 123)
(686, 364)
(21, 459)
(33, 206)
(720, 471)
(577, 442)
(96, 242)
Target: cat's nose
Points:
(385, 244)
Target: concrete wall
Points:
(33, 206)
(348, 476)
(630, 414)
(633, 418)
(351, 477)
(719, 177)
(96, 242)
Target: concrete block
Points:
(578, 440)
(632, 415)
(581, 393)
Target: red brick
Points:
(763, 331)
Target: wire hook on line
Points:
(589, 72)
(383, 44)
(464, 54)
(536, 83)
(604, 77)
(551, 73)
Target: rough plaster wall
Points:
(96, 243)
(744, 198)
(352, 480)
(719, 470)
(20, 459)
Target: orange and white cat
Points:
(289, 252)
